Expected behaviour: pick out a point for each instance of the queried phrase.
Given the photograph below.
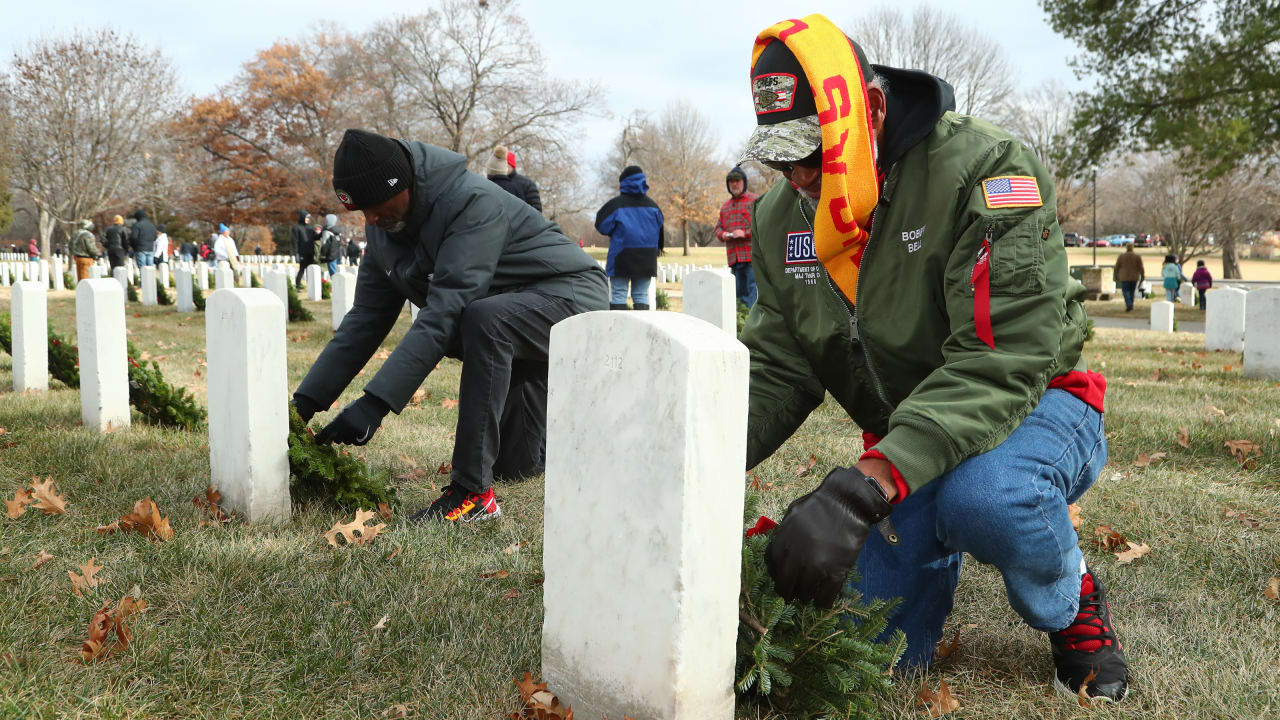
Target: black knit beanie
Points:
(368, 169)
(628, 171)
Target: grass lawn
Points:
(1114, 308)
(271, 622)
(1153, 259)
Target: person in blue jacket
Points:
(633, 222)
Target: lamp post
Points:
(1093, 170)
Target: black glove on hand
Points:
(356, 423)
(307, 408)
(812, 551)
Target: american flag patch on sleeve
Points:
(1012, 191)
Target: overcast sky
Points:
(644, 54)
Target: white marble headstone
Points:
(1187, 294)
(29, 327)
(186, 295)
(314, 280)
(1224, 319)
(224, 278)
(248, 402)
(1262, 334)
(709, 295)
(342, 296)
(147, 281)
(1162, 316)
(277, 281)
(104, 370)
(121, 274)
(641, 589)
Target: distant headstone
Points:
(224, 278)
(95, 271)
(248, 411)
(675, 399)
(186, 297)
(277, 281)
(1262, 334)
(314, 279)
(1162, 316)
(104, 369)
(1187, 294)
(4, 274)
(202, 276)
(29, 326)
(162, 272)
(342, 296)
(55, 275)
(121, 274)
(709, 295)
(147, 279)
(1224, 319)
(246, 276)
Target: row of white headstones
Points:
(1237, 321)
(640, 615)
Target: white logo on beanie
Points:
(392, 181)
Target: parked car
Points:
(1115, 240)
(1073, 240)
(1100, 242)
(1143, 240)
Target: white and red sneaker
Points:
(458, 504)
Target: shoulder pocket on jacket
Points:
(1017, 254)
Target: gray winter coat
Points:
(464, 239)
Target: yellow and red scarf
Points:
(850, 188)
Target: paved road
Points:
(1137, 323)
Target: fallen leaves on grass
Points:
(1145, 459)
(1183, 438)
(1245, 518)
(383, 354)
(106, 619)
(1135, 551)
(85, 581)
(939, 703)
(396, 712)
(355, 532)
(445, 468)
(539, 703)
(418, 396)
(448, 403)
(944, 649)
(382, 624)
(1211, 412)
(384, 511)
(18, 505)
(1082, 695)
(145, 520)
(1272, 591)
(1074, 511)
(1242, 450)
(1107, 538)
(210, 504)
(41, 559)
(500, 574)
(813, 460)
(512, 594)
(513, 547)
(47, 497)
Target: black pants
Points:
(502, 399)
(302, 269)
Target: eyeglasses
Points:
(812, 162)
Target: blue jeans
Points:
(1006, 507)
(1171, 294)
(639, 290)
(333, 268)
(145, 259)
(746, 283)
(1127, 288)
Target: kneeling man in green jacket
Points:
(913, 267)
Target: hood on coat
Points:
(330, 222)
(916, 101)
(303, 215)
(435, 171)
(634, 184)
(736, 174)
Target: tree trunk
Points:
(45, 226)
(684, 231)
(1230, 260)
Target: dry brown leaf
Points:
(1228, 368)
(1106, 538)
(397, 712)
(1241, 450)
(355, 532)
(18, 505)
(418, 396)
(382, 624)
(99, 629)
(42, 558)
(47, 498)
(383, 354)
(512, 594)
(540, 703)
(939, 703)
(384, 511)
(445, 468)
(1135, 551)
(86, 581)
(1183, 438)
(145, 520)
(944, 649)
(801, 470)
(210, 503)
(1212, 411)
(513, 547)
(500, 574)
(127, 606)
(1243, 517)
(1272, 591)
(1074, 511)
(408, 461)
(1145, 459)
(1082, 695)
(448, 403)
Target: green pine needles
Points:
(157, 400)
(64, 360)
(326, 473)
(162, 294)
(254, 281)
(806, 662)
(298, 313)
(132, 292)
(326, 292)
(197, 296)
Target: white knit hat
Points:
(497, 163)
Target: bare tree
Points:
(1248, 209)
(939, 43)
(1164, 194)
(1041, 118)
(90, 104)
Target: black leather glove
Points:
(812, 551)
(307, 408)
(356, 423)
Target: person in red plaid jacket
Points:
(734, 230)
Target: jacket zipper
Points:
(989, 249)
(857, 302)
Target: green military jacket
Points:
(905, 359)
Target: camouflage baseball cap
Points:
(784, 141)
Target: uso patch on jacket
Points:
(801, 261)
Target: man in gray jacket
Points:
(491, 276)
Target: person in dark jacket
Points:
(142, 239)
(491, 276)
(501, 169)
(330, 244)
(189, 251)
(1202, 279)
(115, 238)
(303, 237)
(353, 251)
(633, 222)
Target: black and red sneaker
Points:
(458, 504)
(1089, 649)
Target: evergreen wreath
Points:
(254, 281)
(132, 292)
(326, 292)
(64, 358)
(197, 295)
(807, 662)
(324, 472)
(297, 313)
(162, 295)
(157, 400)
(67, 281)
